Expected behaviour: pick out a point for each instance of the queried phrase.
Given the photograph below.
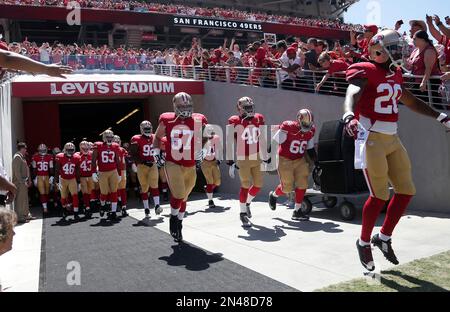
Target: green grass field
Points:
(427, 274)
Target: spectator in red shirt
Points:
(336, 68)
(443, 37)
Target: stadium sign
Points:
(216, 23)
(104, 88)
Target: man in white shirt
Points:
(290, 69)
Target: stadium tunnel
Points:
(55, 110)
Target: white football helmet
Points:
(117, 140)
(306, 119)
(146, 128)
(390, 42)
(69, 149)
(42, 149)
(85, 147)
(183, 106)
(108, 137)
(246, 107)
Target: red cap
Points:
(291, 50)
(295, 45)
(372, 28)
(4, 46)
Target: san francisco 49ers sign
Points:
(188, 21)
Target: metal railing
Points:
(436, 94)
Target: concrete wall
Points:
(426, 140)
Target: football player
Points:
(162, 174)
(67, 168)
(86, 182)
(247, 134)
(294, 139)
(106, 156)
(95, 195)
(210, 163)
(147, 169)
(122, 188)
(183, 129)
(371, 115)
(42, 164)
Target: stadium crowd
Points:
(145, 6)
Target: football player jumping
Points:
(371, 115)
(122, 188)
(147, 170)
(247, 135)
(106, 156)
(183, 128)
(210, 163)
(67, 174)
(42, 164)
(294, 139)
(86, 183)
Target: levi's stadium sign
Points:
(189, 21)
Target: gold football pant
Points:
(211, 172)
(86, 185)
(148, 177)
(108, 181)
(387, 162)
(181, 179)
(162, 175)
(250, 171)
(43, 185)
(68, 187)
(293, 173)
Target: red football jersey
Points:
(145, 146)
(247, 133)
(42, 164)
(183, 137)
(85, 164)
(296, 142)
(379, 101)
(106, 156)
(67, 165)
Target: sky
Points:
(387, 12)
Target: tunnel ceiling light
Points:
(127, 116)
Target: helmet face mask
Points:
(42, 149)
(146, 128)
(84, 147)
(246, 107)
(108, 137)
(388, 47)
(69, 149)
(305, 119)
(183, 106)
(117, 140)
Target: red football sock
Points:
(371, 210)
(164, 186)
(396, 208)
(210, 188)
(175, 203)
(86, 199)
(103, 197)
(279, 190)
(113, 197)
(183, 206)
(254, 190)
(75, 201)
(243, 195)
(299, 194)
(123, 196)
(42, 198)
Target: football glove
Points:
(95, 177)
(119, 178)
(444, 119)
(351, 125)
(134, 168)
(78, 188)
(35, 181)
(51, 180)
